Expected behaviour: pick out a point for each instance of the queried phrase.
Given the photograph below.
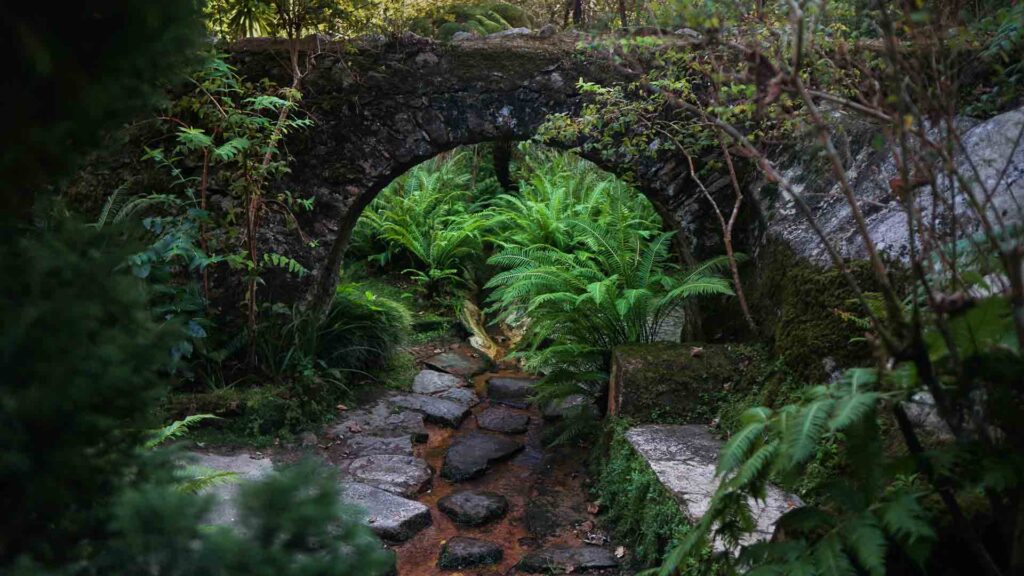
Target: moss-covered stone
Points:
(799, 307)
(677, 383)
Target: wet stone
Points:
(391, 517)
(463, 552)
(567, 560)
(473, 508)
(374, 445)
(383, 421)
(510, 391)
(503, 420)
(402, 475)
(556, 409)
(434, 382)
(465, 362)
(463, 396)
(471, 454)
(437, 410)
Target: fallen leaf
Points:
(620, 551)
(355, 429)
(696, 352)
(593, 507)
(587, 526)
(342, 407)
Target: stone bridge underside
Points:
(381, 108)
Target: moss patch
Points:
(796, 305)
(672, 384)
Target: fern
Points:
(176, 429)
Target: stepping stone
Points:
(374, 445)
(463, 396)
(224, 511)
(436, 410)
(433, 382)
(381, 420)
(502, 420)
(471, 454)
(391, 517)
(567, 560)
(511, 391)
(473, 508)
(463, 552)
(402, 475)
(556, 409)
(465, 362)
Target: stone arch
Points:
(382, 107)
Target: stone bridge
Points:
(380, 108)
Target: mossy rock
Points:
(677, 383)
(799, 308)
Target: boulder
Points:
(684, 458)
(473, 508)
(464, 552)
(567, 560)
(434, 382)
(471, 454)
(391, 517)
(503, 420)
(402, 475)
(436, 410)
(511, 33)
(556, 409)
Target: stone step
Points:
(510, 391)
(464, 552)
(391, 517)
(381, 420)
(473, 508)
(247, 468)
(464, 361)
(433, 382)
(503, 420)
(403, 475)
(472, 453)
(437, 410)
(684, 458)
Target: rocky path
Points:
(454, 476)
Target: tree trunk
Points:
(502, 162)
(577, 12)
(622, 14)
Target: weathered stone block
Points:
(676, 382)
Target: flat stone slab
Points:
(510, 391)
(473, 508)
(434, 382)
(503, 420)
(381, 420)
(685, 458)
(374, 445)
(436, 410)
(567, 560)
(391, 517)
(464, 552)
(224, 511)
(463, 361)
(403, 475)
(471, 454)
(463, 396)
